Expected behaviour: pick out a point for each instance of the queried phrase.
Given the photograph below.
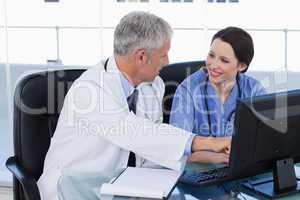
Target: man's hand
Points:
(221, 144)
(209, 157)
(215, 144)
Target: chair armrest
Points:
(28, 183)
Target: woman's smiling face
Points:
(221, 63)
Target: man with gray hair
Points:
(112, 114)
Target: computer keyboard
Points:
(205, 178)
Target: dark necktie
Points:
(131, 101)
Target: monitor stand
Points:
(284, 181)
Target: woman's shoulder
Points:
(194, 79)
(251, 85)
(248, 80)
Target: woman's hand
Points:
(208, 157)
(215, 144)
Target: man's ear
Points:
(242, 67)
(140, 56)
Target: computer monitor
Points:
(267, 137)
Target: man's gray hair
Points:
(140, 30)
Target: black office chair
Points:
(38, 100)
(173, 75)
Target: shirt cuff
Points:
(188, 146)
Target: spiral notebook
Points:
(142, 182)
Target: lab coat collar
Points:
(111, 65)
(126, 86)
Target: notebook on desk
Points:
(142, 182)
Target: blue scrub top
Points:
(189, 111)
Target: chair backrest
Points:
(173, 75)
(38, 100)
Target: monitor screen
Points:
(267, 130)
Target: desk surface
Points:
(77, 186)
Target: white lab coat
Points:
(96, 131)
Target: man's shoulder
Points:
(92, 72)
(97, 75)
